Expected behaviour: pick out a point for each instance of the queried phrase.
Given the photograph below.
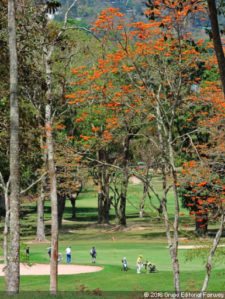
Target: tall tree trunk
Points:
(100, 203)
(104, 201)
(213, 15)
(122, 210)
(142, 202)
(176, 213)
(54, 204)
(201, 224)
(165, 141)
(13, 269)
(61, 208)
(106, 206)
(6, 230)
(124, 185)
(40, 234)
(215, 244)
(103, 190)
(73, 204)
(52, 175)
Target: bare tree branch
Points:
(33, 184)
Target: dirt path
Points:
(44, 269)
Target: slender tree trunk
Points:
(40, 234)
(100, 201)
(213, 15)
(52, 176)
(166, 148)
(123, 196)
(54, 204)
(142, 202)
(106, 204)
(61, 208)
(6, 232)
(13, 269)
(73, 203)
(208, 265)
(2, 205)
(103, 203)
(176, 266)
(122, 210)
(73, 197)
(103, 190)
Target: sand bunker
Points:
(44, 269)
(196, 246)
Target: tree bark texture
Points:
(103, 203)
(61, 208)
(6, 231)
(54, 204)
(165, 141)
(52, 175)
(142, 201)
(13, 269)
(124, 185)
(40, 234)
(104, 200)
(215, 244)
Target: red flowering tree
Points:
(144, 79)
(202, 194)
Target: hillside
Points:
(86, 11)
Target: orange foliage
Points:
(85, 138)
(107, 19)
(107, 136)
(60, 127)
(95, 129)
(202, 184)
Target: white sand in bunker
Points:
(196, 246)
(44, 269)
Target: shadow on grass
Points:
(212, 233)
(84, 214)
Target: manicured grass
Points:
(111, 278)
(142, 236)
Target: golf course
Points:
(112, 153)
(144, 237)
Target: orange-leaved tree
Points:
(146, 78)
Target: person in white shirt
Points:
(68, 255)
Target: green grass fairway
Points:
(111, 278)
(142, 236)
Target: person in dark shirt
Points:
(93, 254)
(27, 253)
